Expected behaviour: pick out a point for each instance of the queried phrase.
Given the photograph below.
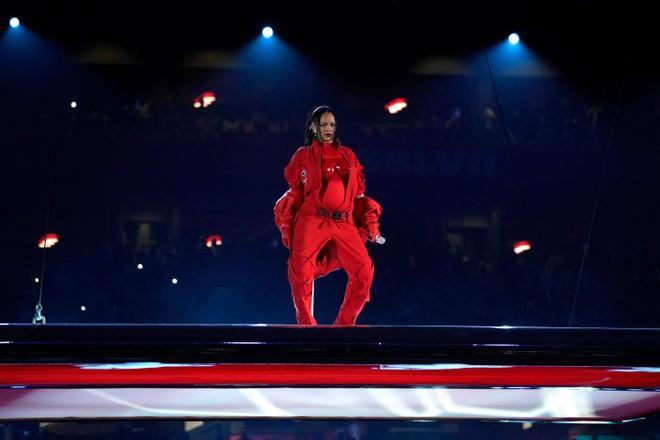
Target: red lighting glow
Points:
(204, 100)
(396, 105)
(48, 241)
(213, 240)
(522, 246)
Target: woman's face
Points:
(327, 128)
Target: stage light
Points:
(140, 266)
(48, 241)
(83, 308)
(514, 38)
(396, 105)
(174, 281)
(267, 32)
(213, 240)
(204, 100)
(14, 22)
(208, 98)
(36, 280)
(522, 246)
(74, 104)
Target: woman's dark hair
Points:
(314, 117)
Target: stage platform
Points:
(56, 371)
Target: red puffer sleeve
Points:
(366, 214)
(362, 187)
(287, 206)
(362, 181)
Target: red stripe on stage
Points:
(66, 375)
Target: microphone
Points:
(379, 239)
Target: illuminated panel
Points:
(204, 100)
(569, 404)
(152, 389)
(48, 241)
(522, 246)
(213, 240)
(396, 105)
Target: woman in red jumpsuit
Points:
(316, 218)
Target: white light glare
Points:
(267, 32)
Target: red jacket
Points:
(303, 174)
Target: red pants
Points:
(311, 234)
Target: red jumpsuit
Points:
(316, 218)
